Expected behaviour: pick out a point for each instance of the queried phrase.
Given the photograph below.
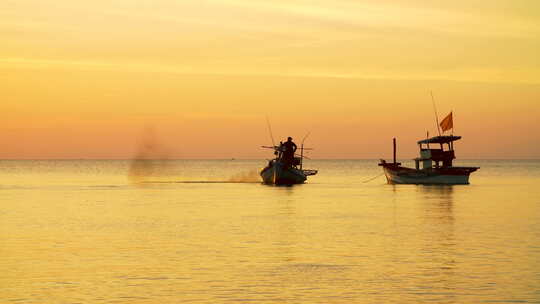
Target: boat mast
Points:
(301, 155)
(394, 142)
(435, 110)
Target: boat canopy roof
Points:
(439, 139)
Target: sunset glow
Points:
(87, 79)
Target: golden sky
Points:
(88, 79)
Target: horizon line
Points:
(233, 159)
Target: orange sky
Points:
(88, 80)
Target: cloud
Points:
(374, 14)
(293, 38)
(466, 75)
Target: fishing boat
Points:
(279, 171)
(434, 166)
(437, 167)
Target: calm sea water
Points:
(192, 231)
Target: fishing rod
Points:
(270, 131)
(302, 150)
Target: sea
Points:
(208, 231)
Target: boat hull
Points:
(443, 176)
(277, 174)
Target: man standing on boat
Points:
(289, 147)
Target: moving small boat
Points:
(436, 164)
(279, 171)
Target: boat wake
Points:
(246, 177)
(201, 182)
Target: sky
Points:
(197, 79)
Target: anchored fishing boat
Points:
(285, 169)
(436, 165)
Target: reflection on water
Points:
(286, 235)
(79, 231)
(440, 244)
(438, 201)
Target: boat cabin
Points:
(436, 152)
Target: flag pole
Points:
(452, 133)
(435, 110)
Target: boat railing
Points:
(308, 172)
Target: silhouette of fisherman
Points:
(288, 148)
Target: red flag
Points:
(447, 123)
